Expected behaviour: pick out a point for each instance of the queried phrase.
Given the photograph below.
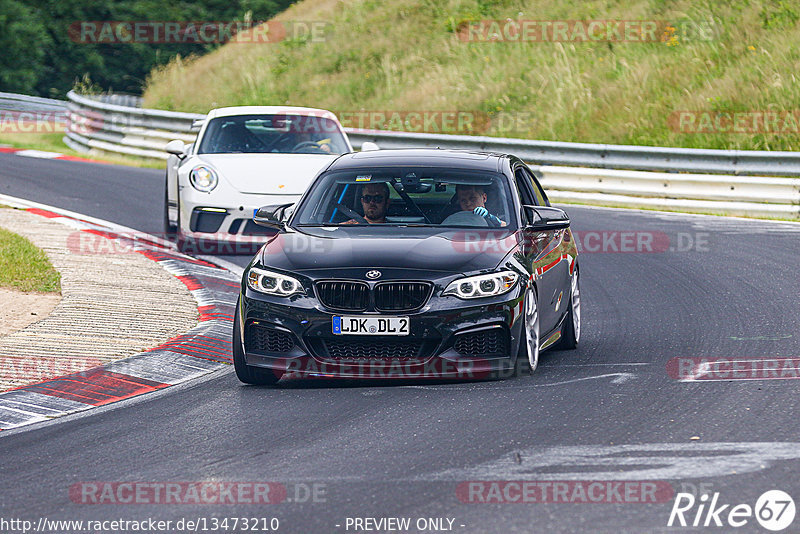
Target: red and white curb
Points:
(202, 350)
(42, 154)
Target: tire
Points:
(529, 342)
(571, 329)
(246, 373)
(170, 230)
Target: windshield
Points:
(273, 134)
(408, 197)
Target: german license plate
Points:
(371, 326)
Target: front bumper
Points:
(222, 222)
(448, 338)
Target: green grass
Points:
(405, 55)
(52, 142)
(25, 267)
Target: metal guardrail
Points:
(99, 123)
(730, 162)
(705, 193)
(14, 102)
(730, 181)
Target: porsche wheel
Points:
(170, 229)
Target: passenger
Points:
(473, 198)
(375, 202)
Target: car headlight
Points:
(203, 178)
(272, 283)
(485, 285)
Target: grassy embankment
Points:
(24, 266)
(718, 56)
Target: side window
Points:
(525, 196)
(536, 189)
(524, 193)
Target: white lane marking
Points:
(10, 418)
(225, 264)
(600, 364)
(706, 368)
(619, 378)
(659, 461)
(30, 153)
(762, 338)
(39, 403)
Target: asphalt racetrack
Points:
(624, 412)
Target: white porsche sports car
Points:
(244, 158)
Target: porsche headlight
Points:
(279, 285)
(485, 285)
(203, 178)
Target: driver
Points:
(375, 202)
(473, 198)
(325, 145)
(313, 143)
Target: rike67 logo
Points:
(774, 510)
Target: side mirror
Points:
(369, 146)
(545, 218)
(176, 147)
(272, 216)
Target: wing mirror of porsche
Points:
(546, 218)
(177, 147)
(369, 146)
(272, 216)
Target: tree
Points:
(23, 41)
(46, 58)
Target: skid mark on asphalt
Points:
(655, 461)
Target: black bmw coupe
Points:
(409, 264)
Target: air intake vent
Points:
(372, 348)
(261, 338)
(492, 342)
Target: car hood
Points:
(336, 251)
(268, 174)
